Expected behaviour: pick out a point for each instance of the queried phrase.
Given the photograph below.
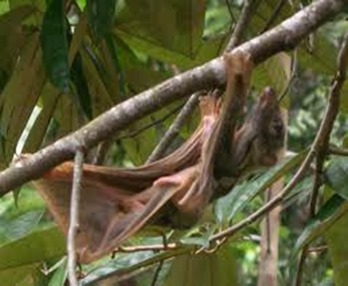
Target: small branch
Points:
(318, 248)
(120, 274)
(274, 15)
(292, 75)
(151, 124)
(230, 12)
(338, 151)
(174, 129)
(157, 272)
(101, 152)
(241, 26)
(152, 247)
(74, 214)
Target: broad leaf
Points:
(336, 238)
(219, 268)
(336, 176)
(11, 42)
(55, 45)
(326, 217)
(60, 274)
(170, 31)
(227, 207)
(21, 94)
(29, 251)
(100, 16)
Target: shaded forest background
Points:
(63, 63)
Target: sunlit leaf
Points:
(176, 26)
(21, 94)
(274, 72)
(12, 41)
(36, 247)
(318, 54)
(21, 225)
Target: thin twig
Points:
(274, 16)
(320, 156)
(338, 151)
(151, 247)
(230, 12)
(151, 124)
(323, 144)
(318, 248)
(120, 274)
(241, 26)
(101, 152)
(174, 129)
(74, 214)
(157, 272)
(292, 76)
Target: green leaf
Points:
(174, 25)
(100, 16)
(20, 258)
(319, 55)
(336, 238)
(274, 72)
(18, 275)
(55, 45)
(36, 247)
(336, 175)
(109, 271)
(21, 94)
(328, 214)
(23, 224)
(11, 42)
(227, 207)
(219, 268)
(81, 86)
(60, 274)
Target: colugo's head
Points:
(267, 120)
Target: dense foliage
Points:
(63, 63)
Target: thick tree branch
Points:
(283, 37)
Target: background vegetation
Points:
(65, 62)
